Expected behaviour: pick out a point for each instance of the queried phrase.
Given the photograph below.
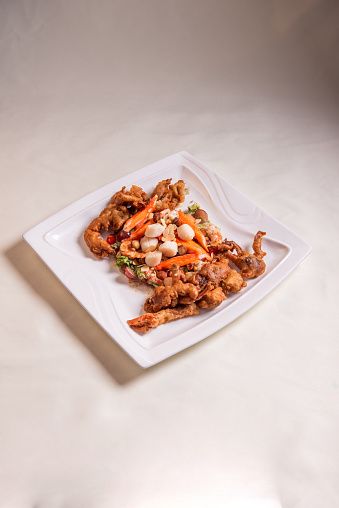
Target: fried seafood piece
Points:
(163, 297)
(169, 196)
(212, 299)
(151, 320)
(114, 217)
(250, 265)
(111, 217)
(178, 292)
(135, 197)
(233, 282)
(213, 272)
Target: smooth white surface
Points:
(90, 91)
(112, 301)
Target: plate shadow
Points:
(40, 278)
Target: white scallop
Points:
(153, 258)
(154, 230)
(148, 244)
(185, 232)
(169, 249)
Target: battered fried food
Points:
(113, 217)
(250, 265)
(214, 272)
(135, 197)
(146, 322)
(233, 282)
(212, 299)
(189, 274)
(178, 292)
(169, 196)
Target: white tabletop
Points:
(91, 91)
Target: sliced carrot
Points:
(188, 219)
(186, 259)
(191, 245)
(140, 230)
(140, 216)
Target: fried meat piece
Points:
(212, 299)
(163, 297)
(148, 321)
(169, 196)
(111, 217)
(233, 282)
(134, 197)
(250, 265)
(169, 296)
(214, 272)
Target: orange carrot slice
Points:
(191, 245)
(186, 259)
(140, 216)
(187, 219)
(140, 230)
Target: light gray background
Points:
(90, 91)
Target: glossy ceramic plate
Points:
(112, 300)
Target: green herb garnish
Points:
(192, 209)
(139, 273)
(124, 260)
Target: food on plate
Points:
(181, 254)
(251, 265)
(148, 321)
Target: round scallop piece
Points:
(148, 244)
(153, 258)
(154, 230)
(169, 249)
(185, 232)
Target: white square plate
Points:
(112, 300)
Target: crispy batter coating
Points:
(169, 196)
(113, 216)
(233, 282)
(212, 299)
(110, 217)
(170, 296)
(250, 265)
(146, 322)
(163, 298)
(134, 197)
(214, 272)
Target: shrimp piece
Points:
(148, 321)
(127, 250)
(251, 265)
(110, 217)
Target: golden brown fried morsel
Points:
(214, 272)
(212, 299)
(169, 196)
(233, 282)
(113, 216)
(134, 197)
(251, 265)
(163, 298)
(178, 292)
(110, 217)
(148, 321)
